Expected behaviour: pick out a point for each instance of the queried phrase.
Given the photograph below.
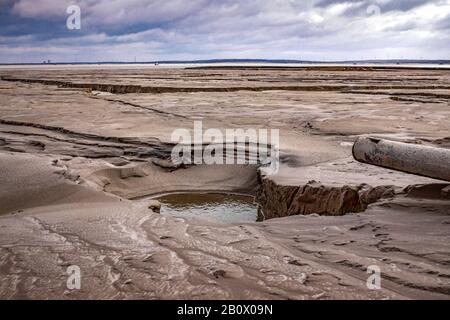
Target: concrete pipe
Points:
(426, 161)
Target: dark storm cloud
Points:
(403, 5)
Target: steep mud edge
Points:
(276, 201)
(123, 89)
(30, 137)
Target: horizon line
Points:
(281, 61)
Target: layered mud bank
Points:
(278, 201)
(273, 199)
(124, 89)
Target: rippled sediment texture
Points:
(81, 147)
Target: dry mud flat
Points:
(79, 145)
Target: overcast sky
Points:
(120, 30)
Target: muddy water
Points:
(220, 207)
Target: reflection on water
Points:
(222, 207)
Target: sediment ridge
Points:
(123, 89)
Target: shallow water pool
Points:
(227, 208)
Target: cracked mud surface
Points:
(80, 147)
